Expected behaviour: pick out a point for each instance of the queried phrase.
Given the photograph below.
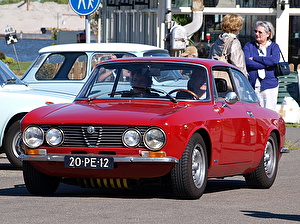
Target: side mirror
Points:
(231, 98)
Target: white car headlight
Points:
(54, 136)
(131, 138)
(33, 136)
(154, 139)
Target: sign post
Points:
(11, 38)
(85, 8)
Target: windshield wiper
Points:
(11, 80)
(164, 92)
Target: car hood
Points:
(124, 112)
(25, 91)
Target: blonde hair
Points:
(232, 23)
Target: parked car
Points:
(65, 68)
(177, 120)
(17, 99)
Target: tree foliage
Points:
(6, 2)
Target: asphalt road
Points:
(225, 201)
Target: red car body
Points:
(235, 132)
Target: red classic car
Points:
(177, 120)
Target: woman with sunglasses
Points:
(261, 57)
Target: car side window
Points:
(100, 57)
(243, 88)
(66, 66)
(50, 67)
(78, 70)
(223, 83)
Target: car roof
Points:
(203, 61)
(109, 47)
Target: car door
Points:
(238, 122)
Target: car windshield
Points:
(163, 80)
(7, 76)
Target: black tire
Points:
(189, 176)
(38, 183)
(264, 175)
(11, 144)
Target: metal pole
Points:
(99, 25)
(87, 29)
(16, 56)
(168, 20)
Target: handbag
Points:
(282, 68)
(224, 56)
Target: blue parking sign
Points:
(84, 7)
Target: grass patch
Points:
(292, 125)
(19, 71)
(292, 145)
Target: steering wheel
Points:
(185, 90)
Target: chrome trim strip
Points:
(129, 159)
(284, 150)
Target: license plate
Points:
(89, 162)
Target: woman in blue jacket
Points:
(261, 57)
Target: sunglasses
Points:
(257, 31)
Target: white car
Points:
(65, 68)
(16, 100)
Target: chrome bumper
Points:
(117, 159)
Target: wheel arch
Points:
(13, 119)
(278, 139)
(207, 141)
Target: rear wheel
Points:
(189, 176)
(264, 175)
(38, 183)
(12, 145)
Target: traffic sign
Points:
(84, 7)
(11, 38)
(9, 29)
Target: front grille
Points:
(102, 136)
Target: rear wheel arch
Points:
(276, 132)
(207, 141)
(277, 135)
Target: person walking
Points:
(261, 57)
(231, 26)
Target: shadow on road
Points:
(137, 192)
(7, 166)
(269, 215)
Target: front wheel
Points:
(12, 145)
(189, 176)
(264, 175)
(38, 183)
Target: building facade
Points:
(148, 21)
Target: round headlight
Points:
(54, 136)
(131, 138)
(33, 136)
(154, 139)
